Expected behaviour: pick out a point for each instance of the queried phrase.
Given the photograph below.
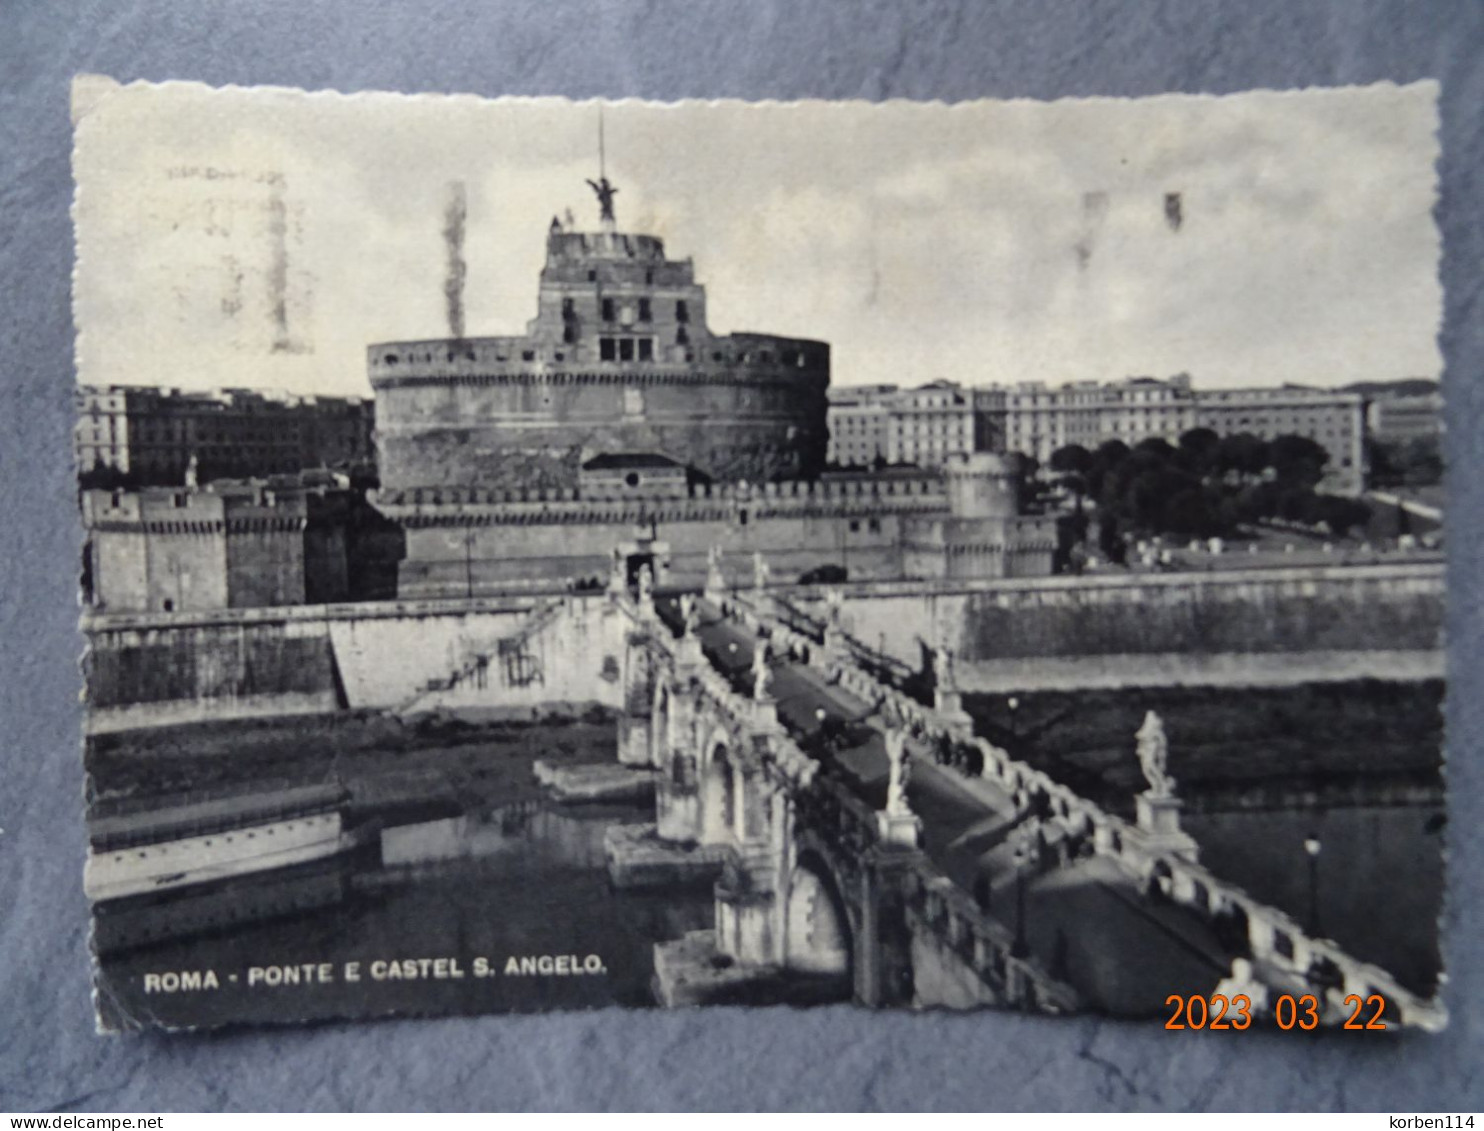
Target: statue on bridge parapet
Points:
(760, 572)
(690, 616)
(617, 576)
(897, 824)
(646, 588)
(761, 675)
(834, 608)
(1154, 754)
(946, 698)
(1157, 808)
(716, 581)
(899, 761)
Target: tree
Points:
(1200, 447)
(1072, 459)
(1157, 446)
(1072, 463)
(1298, 460)
(1243, 453)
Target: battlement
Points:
(862, 495)
(739, 359)
(584, 247)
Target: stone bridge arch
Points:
(720, 787)
(824, 922)
(819, 931)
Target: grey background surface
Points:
(834, 1058)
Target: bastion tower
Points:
(617, 361)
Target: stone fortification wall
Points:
(162, 669)
(1340, 609)
(148, 671)
(502, 413)
(461, 541)
(450, 561)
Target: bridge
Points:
(867, 845)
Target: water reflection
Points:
(519, 881)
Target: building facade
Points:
(1397, 418)
(618, 359)
(1335, 421)
(153, 434)
(928, 425)
(229, 546)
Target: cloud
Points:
(920, 240)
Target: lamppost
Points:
(1024, 854)
(1311, 849)
(1014, 704)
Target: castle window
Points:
(609, 311)
(569, 333)
(569, 309)
(607, 351)
(855, 526)
(528, 355)
(648, 277)
(742, 517)
(625, 349)
(645, 314)
(683, 339)
(646, 349)
(682, 310)
(592, 276)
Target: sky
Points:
(264, 237)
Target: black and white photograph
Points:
(548, 555)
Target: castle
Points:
(617, 360)
(619, 432)
(619, 424)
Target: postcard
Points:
(545, 555)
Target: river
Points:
(539, 891)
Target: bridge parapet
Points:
(938, 908)
(1278, 946)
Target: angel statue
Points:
(760, 571)
(943, 668)
(1154, 753)
(646, 583)
(716, 581)
(899, 772)
(761, 676)
(605, 193)
(690, 617)
(834, 606)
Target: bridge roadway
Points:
(1085, 921)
